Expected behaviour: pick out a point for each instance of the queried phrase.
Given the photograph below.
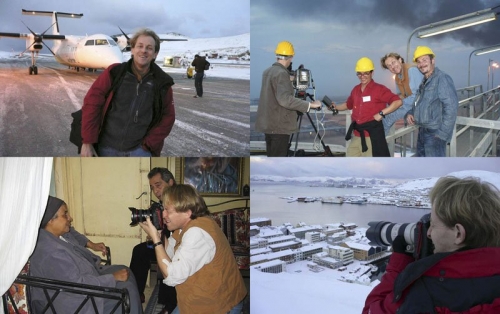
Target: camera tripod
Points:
(300, 115)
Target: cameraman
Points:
(142, 254)
(463, 274)
(276, 114)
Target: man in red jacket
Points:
(368, 102)
(463, 274)
(129, 110)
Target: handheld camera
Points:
(415, 234)
(154, 213)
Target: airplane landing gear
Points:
(33, 67)
(33, 70)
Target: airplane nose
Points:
(113, 56)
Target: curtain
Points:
(24, 189)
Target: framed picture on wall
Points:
(213, 176)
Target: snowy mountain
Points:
(415, 184)
(428, 183)
(225, 48)
(324, 181)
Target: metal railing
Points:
(121, 296)
(476, 130)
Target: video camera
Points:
(415, 234)
(301, 81)
(154, 213)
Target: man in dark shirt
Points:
(199, 64)
(129, 109)
(142, 255)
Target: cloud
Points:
(408, 14)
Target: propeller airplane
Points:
(96, 51)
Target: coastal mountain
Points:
(415, 184)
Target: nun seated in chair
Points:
(59, 255)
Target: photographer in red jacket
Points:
(463, 274)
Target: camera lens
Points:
(384, 232)
(140, 215)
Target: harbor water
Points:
(266, 202)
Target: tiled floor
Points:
(149, 290)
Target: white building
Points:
(345, 255)
(257, 242)
(307, 251)
(274, 267)
(301, 231)
(324, 260)
(336, 237)
(313, 237)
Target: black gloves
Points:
(399, 245)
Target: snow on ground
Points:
(305, 292)
(301, 291)
(242, 73)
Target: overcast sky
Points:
(191, 18)
(330, 36)
(382, 168)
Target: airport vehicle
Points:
(96, 51)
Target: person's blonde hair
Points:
(184, 197)
(474, 204)
(390, 55)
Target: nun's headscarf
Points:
(53, 206)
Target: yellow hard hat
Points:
(364, 65)
(285, 48)
(422, 51)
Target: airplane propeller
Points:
(38, 45)
(127, 48)
(38, 39)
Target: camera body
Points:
(383, 233)
(302, 79)
(154, 213)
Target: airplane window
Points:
(101, 42)
(112, 43)
(89, 42)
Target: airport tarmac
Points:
(35, 112)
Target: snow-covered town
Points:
(340, 251)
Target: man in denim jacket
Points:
(435, 108)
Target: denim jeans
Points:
(235, 310)
(392, 117)
(111, 152)
(429, 145)
(198, 83)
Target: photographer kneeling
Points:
(463, 274)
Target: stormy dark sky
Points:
(382, 168)
(192, 18)
(330, 36)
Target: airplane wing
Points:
(14, 35)
(22, 35)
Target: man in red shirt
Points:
(368, 102)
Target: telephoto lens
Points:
(383, 232)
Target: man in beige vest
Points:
(407, 78)
(198, 260)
